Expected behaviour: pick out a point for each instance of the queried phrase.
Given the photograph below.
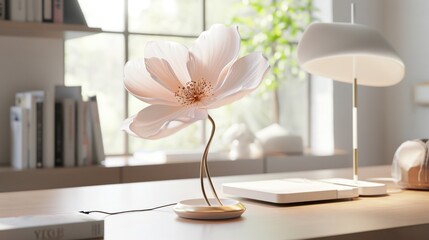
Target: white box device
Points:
(290, 190)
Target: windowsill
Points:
(159, 158)
(195, 156)
(309, 153)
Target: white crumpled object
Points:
(276, 139)
(242, 141)
(410, 164)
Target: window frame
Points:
(126, 36)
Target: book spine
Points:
(59, 160)
(18, 10)
(2, 9)
(69, 138)
(80, 120)
(86, 137)
(28, 102)
(39, 134)
(48, 125)
(58, 11)
(6, 9)
(38, 10)
(74, 93)
(90, 135)
(47, 10)
(25, 137)
(70, 231)
(30, 10)
(19, 134)
(97, 134)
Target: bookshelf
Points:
(45, 30)
(32, 58)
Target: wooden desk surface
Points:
(396, 216)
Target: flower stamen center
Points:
(194, 92)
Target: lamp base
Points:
(365, 188)
(198, 209)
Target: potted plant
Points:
(273, 27)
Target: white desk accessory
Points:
(290, 190)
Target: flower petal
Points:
(139, 83)
(161, 71)
(194, 68)
(244, 76)
(158, 121)
(174, 53)
(229, 99)
(213, 50)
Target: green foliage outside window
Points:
(274, 27)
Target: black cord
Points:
(128, 211)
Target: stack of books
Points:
(55, 129)
(49, 11)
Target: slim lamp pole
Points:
(355, 132)
(355, 112)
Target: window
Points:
(96, 63)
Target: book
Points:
(7, 10)
(19, 137)
(38, 10)
(58, 11)
(39, 134)
(47, 11)
(59, 134)
(74, 92)
(69, 132)
(47, 119)
(87, 135)
(65, 133)
(98, 147)
(28, 101)
(30, 11)
(43, 227)
(48, 125)
(2, 9)
(18, 11)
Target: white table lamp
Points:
(351, 53)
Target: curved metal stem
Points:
(205, 155)
(205, 169)
(202, 167)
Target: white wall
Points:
(406, 24)
(387, 116)
(371, 101)
(25, 64)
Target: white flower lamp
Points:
(182, 85)
(354, 54)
